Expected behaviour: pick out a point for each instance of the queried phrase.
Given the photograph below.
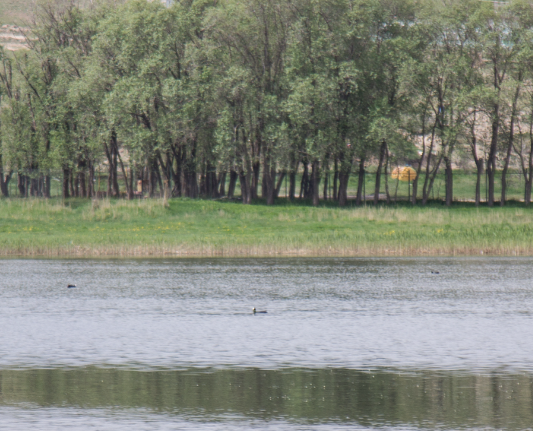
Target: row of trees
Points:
(200, 96)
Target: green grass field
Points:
(184, 227)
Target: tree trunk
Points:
(315, 179)
(477, 161)
(479, 173)
(397, 183)
(304, 187)
(192, 184)
(430, 180)
(46, 189)
(385, 172)
(256, 167)
(21, 181)
(491, 163)
(211, 181)
(529, 177)
(151, 178)
(76, 180)
(132, 183)
(232, 182)
(264, 186)
(176, 174)
(292, 180)
(378, 172)
(491, 174)
(360, 182)
(109, 181)
(158, 178)
(281, 177)
(271, 185)
(90, 188)
(203, 183)
(4, 183)
(214, 183)
(129, 184)
(326, 185)
(33, 187)
(344, 177)
(449, 181)
(116, 190)
(245, 187)
(292, 185)
(511, 141)
(335, 180)
(527, 190)
(83, 185)
(432, 175)
(269, 176)
(221, 184)
(4, 180)
(65, 191)
(166, 168)
(189, 182)
(503, 196)
(415, 190)
(421, 160)
(71, 183)
(111, 151)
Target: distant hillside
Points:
(19, 11)
(14, 16)
(15, 11)
(12, 37)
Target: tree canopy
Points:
(194, 98)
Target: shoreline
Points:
(119, 252)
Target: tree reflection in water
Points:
(379, 397)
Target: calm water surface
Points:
(346, 343)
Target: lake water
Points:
(346, 344)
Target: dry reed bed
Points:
(233, 252)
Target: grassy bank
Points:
(184, 227)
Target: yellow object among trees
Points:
(405, 173)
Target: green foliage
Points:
(177, 97)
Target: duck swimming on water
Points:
(255, 311)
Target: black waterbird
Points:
(255, 311)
